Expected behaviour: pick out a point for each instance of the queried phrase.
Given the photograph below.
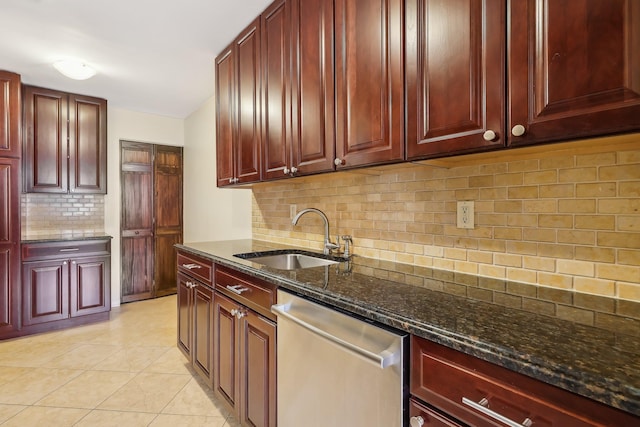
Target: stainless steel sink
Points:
(289, 260)
(292, 261)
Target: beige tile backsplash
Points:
(44, 214)
(569, 221)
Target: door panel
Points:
(225, 120)
(185, 319)
(137, 267)
(45, 292)
(574, 68)
(45, 139)
(312, 94)
(10, 114)
(369, 81)
(203, 331)
(455, 73)
(226, 381)
(88, 147)
(89, 290)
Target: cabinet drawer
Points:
(196, 267)
(478, 393)
(64, 249)
(254, 293)
(423, 416)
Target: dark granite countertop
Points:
(586, 344)
(63, 237)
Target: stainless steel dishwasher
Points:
(336, 370)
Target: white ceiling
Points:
(152, 56)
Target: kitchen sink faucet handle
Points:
(348, 241)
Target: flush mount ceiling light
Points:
(74, 69)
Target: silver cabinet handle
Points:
(234, 312)
(417, 421)
(191, 266)
(70, 250)
(338, 162)
(286, 171)
(294, 169)
(383, 360)
(190, 285)
(237, 289)
(482, 407)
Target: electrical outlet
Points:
(466, 214)
(292, 211)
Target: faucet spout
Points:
(328, 244)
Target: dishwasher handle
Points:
(383, 360)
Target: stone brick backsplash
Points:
(44, 214)
(569, 221)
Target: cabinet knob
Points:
(489, 135)
(338, 162)
(234, 312)
(240, 314)
(518, 130)
(286, 171)
(294, 170)
(417, 421)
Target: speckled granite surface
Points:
(61, 237)
(585, 344)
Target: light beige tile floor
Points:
(126, 372)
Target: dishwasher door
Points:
(336, 370)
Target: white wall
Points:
(210, 213)
(130, 126)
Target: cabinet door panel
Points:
(574, 68)
(185, 319)
(258, 340)
(225, 116)
(226, 381)
(45, 139)
(203, 331)
(88, 144)
(45, 292)
(89, 290)
(275, 26)
(248, 143)
(455, 73)
(312, 79)
(137, 267)
(9, 114)
(369, 81)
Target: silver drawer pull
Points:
(70, 250)
(237, 289)
(191, 266)
(482, 407)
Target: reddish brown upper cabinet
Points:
(238, 109)
(298, 88)
(455, 76)
(574, 69)
(10, 151)
(65, 142)
(369, 76)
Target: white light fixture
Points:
(74, 69)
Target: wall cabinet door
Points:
(87, 145)
(9, 244)
(65, 137)
(369, 82)
(574, 69)
(10, 102)
(89, 291)
(239, 110)
(45, 287)
(455, 76)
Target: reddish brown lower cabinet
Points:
(244, 352)
(478, 393)
(421, 415)
(65, 283)
(195, 324)
(195, 312)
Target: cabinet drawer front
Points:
(65, 249)
(429, 417)
(252, 292)
(479, 393)
(196, 267)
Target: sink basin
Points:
(288, 260)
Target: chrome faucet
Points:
(328, 244)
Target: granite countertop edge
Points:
(600, 389)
